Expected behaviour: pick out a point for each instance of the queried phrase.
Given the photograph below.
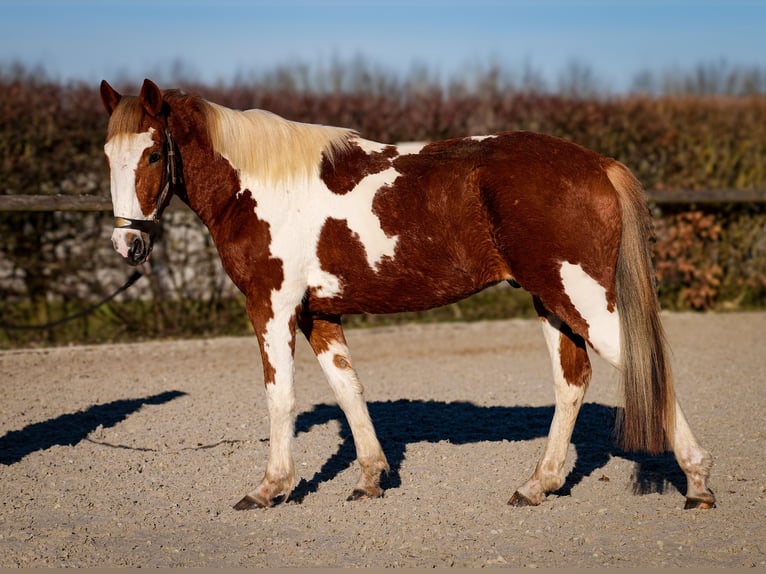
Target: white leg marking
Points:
(692, 458)
(336, 364)
(280, 397)
(548, 475)
(589, 298)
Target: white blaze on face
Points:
(123, 152)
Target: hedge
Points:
(51, 142)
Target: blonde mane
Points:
(270, 148)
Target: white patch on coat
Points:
(410, 148)
(298, 210)
(123, 153)
(482, 138)
(589, 298)
(357, 207)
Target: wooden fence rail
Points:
(55, 203)
(99, 203)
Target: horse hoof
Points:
(692, 503)
(249, 502)
(360, 494)
(519, 499)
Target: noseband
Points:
(172, 179)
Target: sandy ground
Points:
(134, 454)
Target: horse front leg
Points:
(276, 336)
(325, 335)
(571, 374)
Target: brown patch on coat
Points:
(468, 214)
(242, 238)
(321, 331)
(243, 242)
(551, 202)
(149, 178)
(575, 363)
(341, 362)
(342, 176)
(445, 246)
(573, 353)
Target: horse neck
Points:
(213, 179)
(209, 181)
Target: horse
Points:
(314, 222)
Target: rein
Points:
(172, 179)
(135, 276)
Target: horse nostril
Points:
(137, 251)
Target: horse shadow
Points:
(402, 422)
(71, 428)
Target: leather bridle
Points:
(172, 181)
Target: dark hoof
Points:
(249, 502)
(360, 494)
(699, 503)
(520, 500)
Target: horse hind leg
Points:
(571, 375)
(694, 460)
(604, 335)
(696, 463)
(328, 342)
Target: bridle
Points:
(173, 180)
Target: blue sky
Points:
(218, 40)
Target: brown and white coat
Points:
(314, 222)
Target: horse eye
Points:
(154, 157)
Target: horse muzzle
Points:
(134, 238)
(134, 246)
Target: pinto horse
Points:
(313, 222)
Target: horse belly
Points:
(434, 264)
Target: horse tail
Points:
(648, 419)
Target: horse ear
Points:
(151, 98)
(109, 97)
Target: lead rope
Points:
(132, 279)
(173, 178)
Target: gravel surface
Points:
(132, 455)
